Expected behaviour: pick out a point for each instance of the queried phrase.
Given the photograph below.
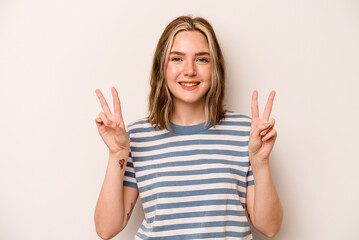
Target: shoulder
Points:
(235, 117)
(140, 125)
(137, 123)
(234, 123)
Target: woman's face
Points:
(188, 72)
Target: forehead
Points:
(190, 41)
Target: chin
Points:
(192, 100)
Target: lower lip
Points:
(189, 88)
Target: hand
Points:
(262, 135)
(111, 126)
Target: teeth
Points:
(189, 84)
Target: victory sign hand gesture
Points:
(262, 135)
(111, 126)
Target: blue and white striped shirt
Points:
(192, 182)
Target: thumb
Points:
(257, 128)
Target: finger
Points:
(268, 108)
(254, 107)
(116, 101)
(98, 121)
(103, 102)
(271, 134)
(117, 106)
(104, 119)
(255, 131)
(270, 125)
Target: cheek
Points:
(171, 72)
(206, 72)
(171, 77)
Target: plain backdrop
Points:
(54, 54)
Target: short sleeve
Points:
(250, 177)
(130, 176)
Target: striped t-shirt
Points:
(192, 182)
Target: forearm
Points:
(109, 212)
(267, 211)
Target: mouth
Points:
(189, 84)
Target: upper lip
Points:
(188, 81)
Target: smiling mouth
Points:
(189, 84)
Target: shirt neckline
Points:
(187, 130)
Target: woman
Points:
(193, 164)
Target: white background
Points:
(54, 54)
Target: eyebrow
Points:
(182, 54)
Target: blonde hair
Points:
(160, 100)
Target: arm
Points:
(263, 203)
(116, 202)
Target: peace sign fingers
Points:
(111, 126)
(262, 134)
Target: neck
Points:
(187, 114)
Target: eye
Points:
(204, 60)
(175, 59)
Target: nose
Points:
(190, 69)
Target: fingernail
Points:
(262, 133)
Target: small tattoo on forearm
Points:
(121, 162)
(129, 214)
